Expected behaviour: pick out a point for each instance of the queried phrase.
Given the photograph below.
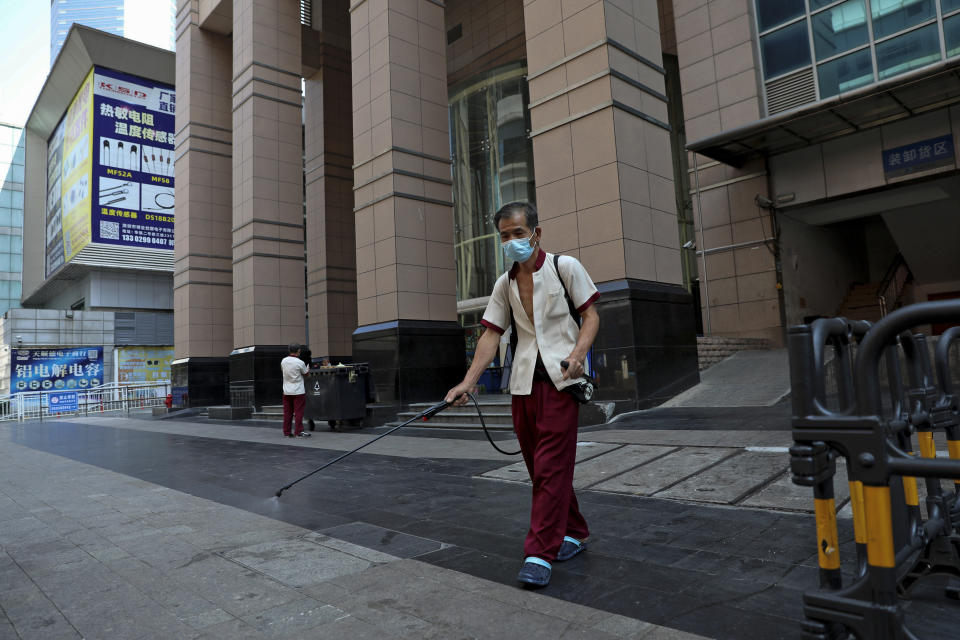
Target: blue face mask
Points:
(518, 250)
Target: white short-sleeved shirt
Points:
(293, 369)
(553, 332)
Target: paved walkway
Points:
(758, 378)
(89, 553)
(126, 528)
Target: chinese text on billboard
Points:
(64, 368)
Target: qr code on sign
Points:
(109, 230)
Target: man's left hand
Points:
(574, 367)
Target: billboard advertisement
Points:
(77, 160)
(110, 168)
(143, 364)
(133, 123)
(52, 369)
(54, 200)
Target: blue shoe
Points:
(570, 548)
(535, 572)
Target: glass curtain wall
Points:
(492, 165)
(11, 215)
(852, 43)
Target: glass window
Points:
(15, 289)
(951, 34)
(492, 165)
(17, 219)
(4, 262)
(785, 50)
(5, 244)
(949, 5)
(17, 199)
(6, 198)
(846, 73)
(840, 29)
(6, 215)
(891, 16)
(770, 13)
(909, 51)
(817, 4)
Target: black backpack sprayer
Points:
(424, 415)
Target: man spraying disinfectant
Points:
(548, 364)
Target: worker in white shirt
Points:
(294, 393)
(533, 297)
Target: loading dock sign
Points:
(918, 156)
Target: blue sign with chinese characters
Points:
(133, 132)
(62, 401)
(918, 156)
(50, 369)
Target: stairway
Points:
(495, 408)
(713, 349)
(269, 412)
(861, 303)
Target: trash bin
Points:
(337, 394)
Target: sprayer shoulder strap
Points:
(566, 294)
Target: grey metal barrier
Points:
(109, 398)
(872, 428)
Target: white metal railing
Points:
(108, 398)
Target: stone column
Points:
(268, 261)
(605, 189)
(328, 138)
(202, 279)
(719, 65)
(406, 277)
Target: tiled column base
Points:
(255, 378)
(200, 382)
(410, 361)
(646, 351)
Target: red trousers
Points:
(546, 426)
(293, 413)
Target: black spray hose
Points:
(424, 415)
(486, 432)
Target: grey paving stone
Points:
(6, 629)
(356, 550)
(293, 618)
(352, 628)
(518, 471)
(621, 626)
(784, 494)
(207, 618)
(695, 438)
(297, 563)
(234, 629)
(400, 545)
(665, 633)
(235, 589)
(33, 616)
(601, 468)
(730, 480)
(650, 478)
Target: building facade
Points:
(151, 21)
(98, 214)
(105, 15)
(11, 215)
(418, 119)
(823, 163)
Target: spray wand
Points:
(424, 415)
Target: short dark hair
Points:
(293, 347)
(509, 210)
